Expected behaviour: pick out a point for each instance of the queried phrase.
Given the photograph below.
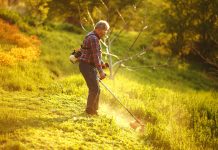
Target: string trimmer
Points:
(135, 124)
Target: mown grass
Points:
(56, 121)
(177, 105)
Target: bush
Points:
(10, 16)
(37, 11)
(11, 34)
(25, 48)
(65, 27)
(13, 17)
(6, 59)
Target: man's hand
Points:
(105, 65)
(102, 75)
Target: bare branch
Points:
(80, 17)
(139, 54)
(121, 16)
(126, 23)
(90, 17)
(130, 68)
(112, 25)
(109, 54)
(118, 34)
(145, 27)
(104, 5)
(207, 60)
(132, 57)
(140, 67)
(211, 61)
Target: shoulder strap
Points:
(85, 38)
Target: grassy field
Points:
(42, 102)
(56, 121)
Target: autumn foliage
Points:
(25, 48)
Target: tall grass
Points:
(56, 48)
(24, 76)
(173, 119)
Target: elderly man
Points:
(90, 62)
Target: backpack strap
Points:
(86, 38)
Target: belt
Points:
(92, 64)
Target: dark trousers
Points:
(89, 73)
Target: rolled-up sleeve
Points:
(96, 53)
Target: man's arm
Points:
(96, 54)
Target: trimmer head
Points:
(137, 126)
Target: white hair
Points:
(102, 24)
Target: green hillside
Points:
(42, 99)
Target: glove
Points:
(102, 75)
(105, 65)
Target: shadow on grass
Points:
(13, 124)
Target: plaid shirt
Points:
(91, 51)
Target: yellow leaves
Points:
(6, 59)
(27, 47)
(25, 54)
(11, 34)
(18, 55)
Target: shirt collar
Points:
(96, 35)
